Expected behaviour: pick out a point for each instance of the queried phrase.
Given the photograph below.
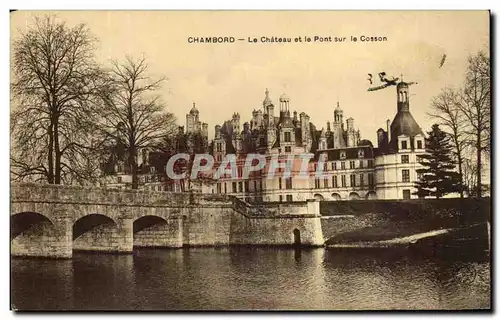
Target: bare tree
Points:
(54, 81)
(132, 114)
(445, 108)
(476, 107)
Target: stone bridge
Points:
(53, 220)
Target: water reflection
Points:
(241, 278)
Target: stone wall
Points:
(44, 239)
(107, 237)
(275, 230)
(369, 220)
(167, 233)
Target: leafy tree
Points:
(438, 177)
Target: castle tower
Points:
(338, 127)
(403, 92)
(284, 104)
(337, 114)
(192, 120)
(235, 122)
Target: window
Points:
(404, 145)
(361, 179)
(281, 198)
(219, 188)
(342, 155)
(260, 184)
(289, 198)
(419, 144)
(334, 165)
(279, 183)
(246, 186)
(288, 149)
(288, 183)
(288, 137)
(343, 181)
(325, 183)
(234, 187)
(406, 194)
(361, 164)
(334, 181)
(361, 153)
(255, 185)
(342, 165)
(406, 175)
(152, 169)
(119, 179)
(370, 163)
(316, 183)
(351, 165)
(262, 141)
(240, 186)
(225, 187)
(240, 172)
(219, 157)
(405, 158)
(353, 180)
(370, 179)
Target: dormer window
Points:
(288, 137)
(404, 145)
(419, 144)
(152, 170)
(342, 155)
(361, 153)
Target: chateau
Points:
(353, 168)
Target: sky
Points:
(232, 77)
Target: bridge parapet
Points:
(45, 193)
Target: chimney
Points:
(217, 132)
(380, 137)
(388, 131)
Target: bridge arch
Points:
(147, 221)
(91, 222)
(354, 196)
(22, 221)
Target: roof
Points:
(404, 124)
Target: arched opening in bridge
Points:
(319, 197)
(89, 222)
(354, 196)
(146, 222)
(24, 221)
(336, 197)
(371, 195)
(296, 237)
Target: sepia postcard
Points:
(250, 160)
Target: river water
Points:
(243, 278)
